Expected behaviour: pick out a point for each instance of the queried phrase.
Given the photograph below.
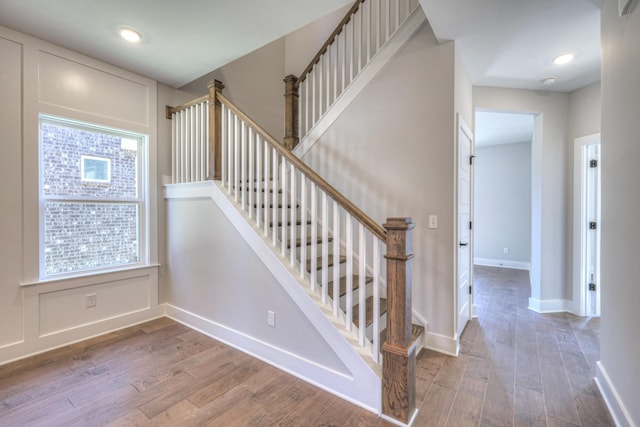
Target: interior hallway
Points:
(515, 368)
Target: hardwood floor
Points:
(515, 368)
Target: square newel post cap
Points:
(217, 84)
(404, 223)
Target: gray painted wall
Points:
(502, 203)
(620, 345)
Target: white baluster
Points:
(314, 236)
(335, 68)
(174, 145)
(236, 157)
(336, 257)
(292, 202)
(260, 179)
(362, 291)
(229, 142)
(251, 186)
(349, 284)
(359, 42)
(197, 143)
(265, 199)
(243, 166)
(274, 196)
(343, 65)
(325, 248)
(194, 147)
(307, 107)
(376, 299)
(283, 209)
(388, 19)
(312, 76)
(329, 70)
(205, 160)
(397, 15)
(303, 227)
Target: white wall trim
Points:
(550, 305)
(617, 409)
(320, 376)
(366, 388)
(31, 347)
(503, 263)
(368, 72)
(442, 343)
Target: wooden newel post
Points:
(291, 112)
(215, 130)
(398, 353)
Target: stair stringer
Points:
(368, 72)
(364, 386)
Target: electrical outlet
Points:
(271, 318)
(506, 250)
(92, 300)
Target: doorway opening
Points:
(503, 189)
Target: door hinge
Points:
(593, 163)
(469, 289)
(470, 225)
(592, 225)
(471, 159)
(592, 286)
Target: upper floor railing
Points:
(361, 34)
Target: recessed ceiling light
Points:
(565, 58)
(132, 36)
(549, 81)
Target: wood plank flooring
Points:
(516, 368)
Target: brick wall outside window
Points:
(80, 234)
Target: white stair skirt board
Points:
(442, 344)
(617, 409)
(550, 305)
(502, 263)
(368, 72)
(363, 388)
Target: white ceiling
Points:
(512, 43)
(182, 39)
(494, 128)
(508, 43)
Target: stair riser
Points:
(383, 325)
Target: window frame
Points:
(141, 201)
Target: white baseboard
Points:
(503, 263)
(340, 384)
(617, 409)
(550, 305)
(442, 344)
(23, 349)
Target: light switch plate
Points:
(433, 221)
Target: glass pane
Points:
(87, 236)
(109, 163)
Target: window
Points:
(95, 169)
(92, 197)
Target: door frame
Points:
(462, 127)
(580, 227)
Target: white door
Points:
(465, 139)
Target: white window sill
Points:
(83, 279)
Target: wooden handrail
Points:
(329, 41)
(375, 228)
(171, 110)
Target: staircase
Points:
(334, 250)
